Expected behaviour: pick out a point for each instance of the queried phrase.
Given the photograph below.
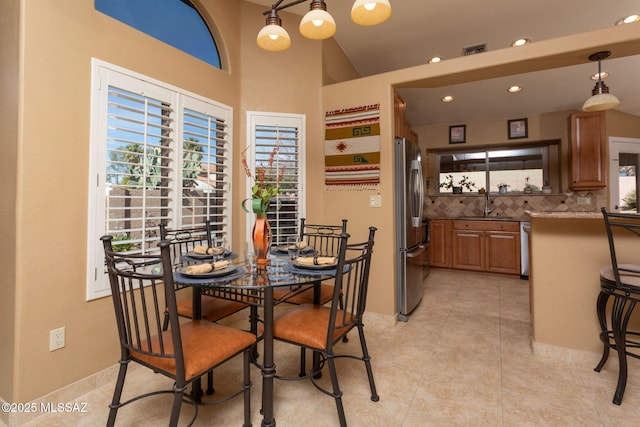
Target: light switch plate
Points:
(375, 201)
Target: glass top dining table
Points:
(255, 287)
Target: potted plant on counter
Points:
(457, 187)
(465, 182)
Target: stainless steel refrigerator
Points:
(412, 233)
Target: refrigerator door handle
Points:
(417, 251)
(416, 198)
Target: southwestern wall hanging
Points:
(352, 148)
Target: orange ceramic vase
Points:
(261, 233)
(261, 236)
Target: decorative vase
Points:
(261, 233)
(261, 236)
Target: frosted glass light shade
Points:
(370, 12)
(600, 102)
(317, 24)
(274, 38)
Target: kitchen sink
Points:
(484, 218)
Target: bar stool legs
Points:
(618, 337)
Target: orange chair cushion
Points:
(213, 309)
(308, 325)
(306, 297)
(204, 345)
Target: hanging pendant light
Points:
(317, 24)
(272, 36)
(370, 12)
(601, 99)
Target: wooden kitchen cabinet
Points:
(486, 246)
(468, 249)
(588, 151)
(503, 252)
(440, 246)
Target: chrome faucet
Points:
(487, 200)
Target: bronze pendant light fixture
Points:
(601, 99)
(317, 24)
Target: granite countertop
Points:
(564, 215)
(482, 218)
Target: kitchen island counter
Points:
(564, 215)
(567, 251)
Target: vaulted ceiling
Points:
(421, 29)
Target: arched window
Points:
(175, 22)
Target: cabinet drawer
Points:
(487, 225)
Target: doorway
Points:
(624, 154)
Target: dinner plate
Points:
(285, 249)
(195, 255)
(314, 267)
(213, 273)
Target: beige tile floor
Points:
(463, 359)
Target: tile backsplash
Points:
(513, 205)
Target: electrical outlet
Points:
(56, 339)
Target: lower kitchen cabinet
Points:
(440, 246)
(476, 245)
(468, 249)
(503, 252)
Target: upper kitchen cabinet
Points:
(401, 126)
(588, 151)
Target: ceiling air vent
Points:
(472, 50)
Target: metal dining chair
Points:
(326, 325)
(620, 282)
(183, 241)
(142, 290)
(325, 240)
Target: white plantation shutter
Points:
(206, 166)
(284, 133)
(138, 168)
(158, 156)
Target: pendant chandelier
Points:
(601, 99)
(317, 24)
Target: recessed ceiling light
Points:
(520, 42)
(514, 89)
(447, 98)
(628, 19)
(436, 59)
(602, 75)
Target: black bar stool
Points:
(622, 283)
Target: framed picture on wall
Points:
(457, 134)
(518, 128)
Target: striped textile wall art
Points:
(352, 148)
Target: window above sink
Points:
(499, 169)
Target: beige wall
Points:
(336, 67)
(566, 256)
(354, 205)
(622, 124)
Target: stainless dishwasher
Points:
(525, 226)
